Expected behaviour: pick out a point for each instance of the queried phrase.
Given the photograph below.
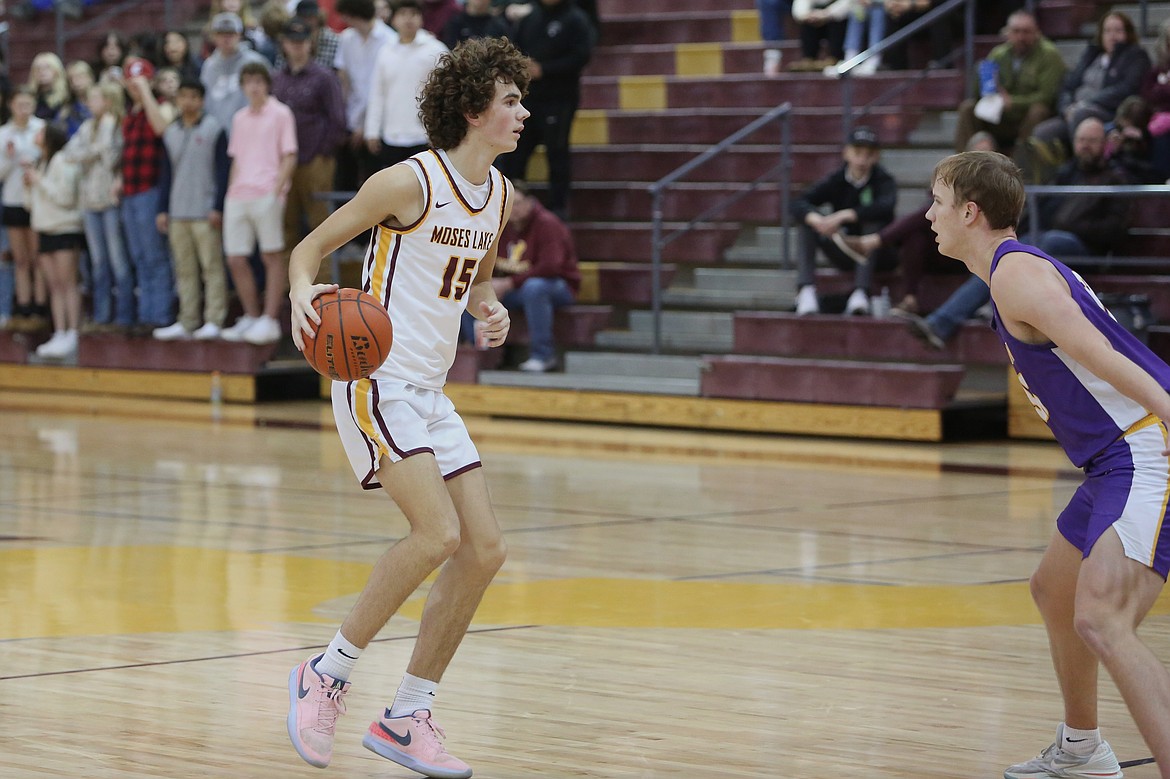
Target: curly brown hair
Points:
(464, 84)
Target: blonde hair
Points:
(989, 180)
(115, 97)
(58, 92)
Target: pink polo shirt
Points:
(259, 140)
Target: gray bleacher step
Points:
(934, 130)
(653, 385)
(711, 323)
(690, 297)
(744, 280)
(649, 366)
(913, 168)
(643, 340)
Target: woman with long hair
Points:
(56, 218)
(49, 84)
(177, 54)
(111, 51)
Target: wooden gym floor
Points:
(674, 604)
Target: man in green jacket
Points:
(1029, 74)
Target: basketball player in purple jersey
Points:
(1104, 396)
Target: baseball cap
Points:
(227, 22)
(136, 66)
(296, 30)
(308, 9)
(863, 135)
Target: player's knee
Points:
(442, 541)
(1099, 629)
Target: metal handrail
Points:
(658, 242)
(76, 31)
(845, 69)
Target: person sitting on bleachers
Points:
(1156, 92)
(861, 196)
(1110, 70)
(1028, 72)
(1127, 142)
(820, 20)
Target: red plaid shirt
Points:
(141, 154)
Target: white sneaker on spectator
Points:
(858, 303)
(869, 67)
(264, 330)
(236, 331)
(536, 365)
(175, 332)
(208, 332)
(60, 345)
(772, 59)
(46, 349)
(806, 301)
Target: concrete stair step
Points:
(720, 299)
(649, 366)
(651, 385)
(714, 323)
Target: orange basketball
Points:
(353, 338)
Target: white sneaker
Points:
(175, 332)
(868, 68)
(208, 332)
(264, 330)
(61, 345)
(858, 303)
(832, 72)
(772, 59)
(535, 365)
(1056, 762)
(806, 301)
(236, 331)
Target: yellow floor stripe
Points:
(646, 93)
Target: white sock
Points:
(1081, 743)
(339, 659)
(413, 694)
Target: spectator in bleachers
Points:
(1127, 142)
(274, 15)
(820, 22)
(166, 85)
(177, 54)
(357, 56)
(56, 219)
(774, 14)
(436, 14)
(910, 235)
(536, 272)
(1077, 226)
(1156, 92)
(75, 111)
(221, 71)
(899, 14)
(110, 54)
(860, 196)
(192, 188)
(476, 20)
(263, 148)
(323, 44)
(96, 148)
(252, 35)
(1029, 71)
(138, 186)
(394, 129)
(867, 20)
(382, 11)
(513, 11)
(1110, 70)
(313, 94)
(146, 45)
(47, 80)
(557, 38)
(19, 151)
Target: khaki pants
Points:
(314, 176)
(196, 249)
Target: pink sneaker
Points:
(415, 742)
(315, 703)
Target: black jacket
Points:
(560, 38)
(1124, 77)
(874, 202)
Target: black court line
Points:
(184, 661)
(1132, 763)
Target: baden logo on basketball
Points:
(354, 336)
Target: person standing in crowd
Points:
(221, 71)
(558, 40)
(111, 51)
(56, 219)
(142, 153)
(394, 130)
(357, 57)
(476, 20)
(263, 148)
(436, 14)
(177, 54)
(192, 188)
(75, 111)
(48, 81)
(97, 148)
(860, 196)
(1028, 73)
(774, 14)
(20, 151)
(313, 94)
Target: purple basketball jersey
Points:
(1085, 413)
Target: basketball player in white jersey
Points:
(436, 220)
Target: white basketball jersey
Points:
(422, 273)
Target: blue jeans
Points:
(876, 16)
(772, 16)
(152, 264)
(959, 307)
(1061, 244)
(538, 297)
(111, 267)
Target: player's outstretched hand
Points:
(304, 317)
(496, 323)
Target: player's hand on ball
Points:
(304, 317)
(496, 323)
